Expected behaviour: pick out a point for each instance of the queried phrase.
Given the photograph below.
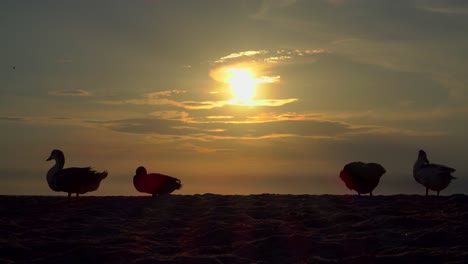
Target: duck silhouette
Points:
(432, 176)
(155, 183)
(362, 177)
(72, 180)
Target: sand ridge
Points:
(234, 229)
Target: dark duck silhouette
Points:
(432, 176)
(362, 177)
(155, 183)
(72, 180)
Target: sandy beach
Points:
(234, 229)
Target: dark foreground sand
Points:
(235, 229)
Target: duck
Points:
(72, 180)
(362, 177)
(155, 183)
(434, 177)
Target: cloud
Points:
(13, 119)
(269, 126)
(275, 102)
(268, 5)
(259, 59)
(222, 130)
(268, 56)
(70, 92)
(275, 59)
(376, 130)
(157, 99)
(449, 11)
(194, 148)
(422, 116)
(178, 115)
(248, 53)
(219, 117)
(166, 93)
(43, 120)
(443, 7)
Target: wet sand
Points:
(234, 229)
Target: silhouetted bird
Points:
(433, 176)
(155, 183)
(72, 180)
(362, 177)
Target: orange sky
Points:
(233, 96)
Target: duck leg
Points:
(359, 194)
(370, 193)
(427, 191)
(438, 193)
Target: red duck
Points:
(362, 177)
(155, 183)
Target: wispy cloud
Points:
(12, 118)
(263, 126)
(219, 117)
(70, 92)
(190, 147)
(275, 59)
(447, 10)
(270, 102)
(166, 93)
(178, 115)
(228, 130)
(158, 99)
(43, 120)
(436, 114)
(268, 79)
(383, 130)
(248, 53)
(268, 56)
(269, 5)
(155, 98)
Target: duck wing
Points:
(171, 183)
(430, 174)
(79, 180)
(164, 184)
(441, 168)
(357, 170)
(351, 174)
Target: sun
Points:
(242, 84)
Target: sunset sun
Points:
(242, 84)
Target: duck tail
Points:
(96, 179)
(103, 174)
(178, 184)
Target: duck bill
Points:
(48, 159)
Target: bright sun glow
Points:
(242, 85)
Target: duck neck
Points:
(417, 165)
(52, 174)
(137, 181)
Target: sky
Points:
(233, 97)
